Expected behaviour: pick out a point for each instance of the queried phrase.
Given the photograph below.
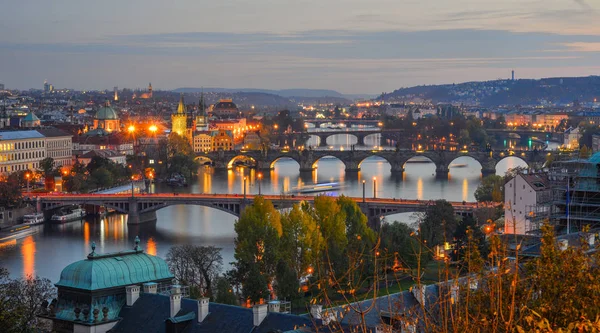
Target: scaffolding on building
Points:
(575, 196)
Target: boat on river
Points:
(33, 219)
(17, 231)
(68, 214)
(316, 188)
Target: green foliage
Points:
(47, 167)
(11, 192)
(255, 287)
(438, 224)
(287, 281)
(397, 240)
(257, 245)
(224, 292)
(301, 241)
(331, 221)
(490, 189)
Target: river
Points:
(48, 251)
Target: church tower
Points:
(179, 119)
(201, 121)
(150, 89)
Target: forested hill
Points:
(506, 92)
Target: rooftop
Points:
(114, 270)
(20, 135)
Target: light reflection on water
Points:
(47, 252)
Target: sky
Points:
(352, 46)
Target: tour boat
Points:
(322, 187)
(458, 165)
(33, 219)
(68, 214)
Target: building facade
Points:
(237, 127)
(59, 146)
(21, 150)
(222, 140)
(179, 121)
(522, 196)
(107, 119)
(203, 142)
(226, 109)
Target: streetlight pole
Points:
(259, 181)
(132, 191)
(27, 176)
(374, 188)
(244, 187)
(364, 189)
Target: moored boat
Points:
(33, 219)
(68, 214)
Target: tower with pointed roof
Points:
(179, 120)
(31, 120)
(201, 120)
(150, 89)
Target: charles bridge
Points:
(142, 207)
(352, 159)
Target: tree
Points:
(47, 169)
(255, 286)
(195, 266)
(224, 291)
(257, 245)
(301, 241)
(11, 193)
(438, 224)
(397, 240)
(490, 189)
(287, 281)
(21, 300)
(101, 177)
(331, 221)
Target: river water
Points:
(48, 251)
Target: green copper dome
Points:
(106, 113)
(31, 117)
(114, 270)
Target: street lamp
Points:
(153, 129)
(27, 175)
(374, 187)
(364, 187)
(244, 187)
(259, 181)
(132, 191)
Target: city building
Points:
(571, 138)
(203, 142)
(132, 291)
(595, 143)
(222, 140)
(31, 121)
(226, 109)
(524, 196)
(4, 118)
(21, 150)
(518, 119)
(107, 119)
(59, 146)
(252, 141)
(179, 121)
(549, 121)
(112, 155)
(236, 126)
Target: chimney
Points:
(133, 293)
(454, 294)
(591, 239)
(259, 312)
(419, 293)
(473, 284)
(150, 287)
(316, 311)
(175, 299)
(563, 244)
(274, 306)
(202, 308)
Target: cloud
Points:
(583, 46)
(583, 4)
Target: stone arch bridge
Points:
(142, 207)
(307, 159)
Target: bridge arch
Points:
(203, 160)
(505, 161)
(457, 163)
(240, 158)
(317, 159)
(375, 156)
(282, 157)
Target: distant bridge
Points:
(352, 159)
(359, 134)
(349, 121)
(142, 207)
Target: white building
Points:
(202, 142)
(21, 150)
(571, 138)
(59, 146)
(522, 195)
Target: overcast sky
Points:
(353, 46)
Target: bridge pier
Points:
(360, 140)
(322, 141)
(487, 172)
(264, 166)
(442, 172)
(397, 169)
(139, 218)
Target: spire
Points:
(181, 107)
(107, 103)
(201, 105)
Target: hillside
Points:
(506, 92)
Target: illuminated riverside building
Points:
(237, 127)
(23, 150)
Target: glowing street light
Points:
(374, 187)
(259, 181)
(153, 129)
(364, 187)
(131, 129)
(244, 187)
(27, 176)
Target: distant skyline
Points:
(352, 46)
